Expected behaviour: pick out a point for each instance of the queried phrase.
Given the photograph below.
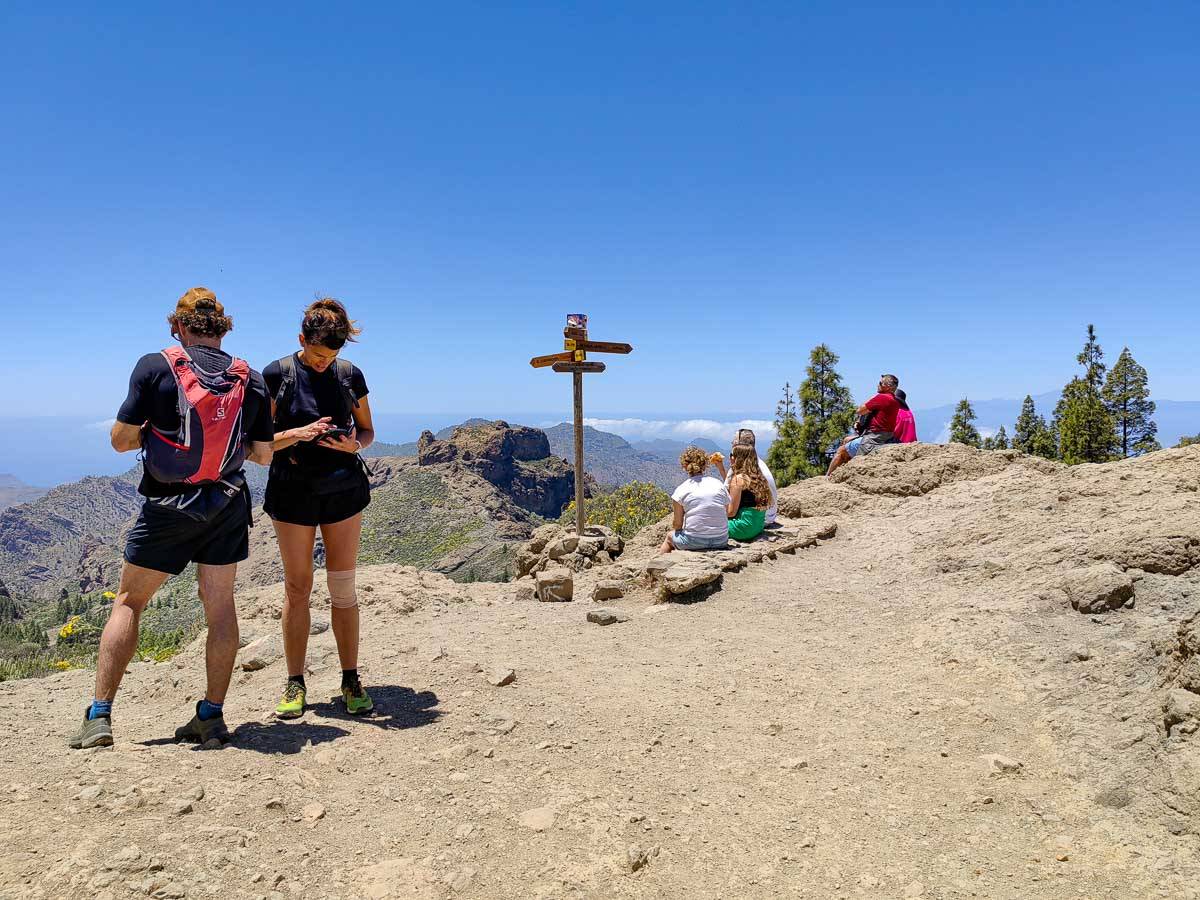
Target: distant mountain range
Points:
(14, 491)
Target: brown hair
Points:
(694, 461)
(745, 464)
(201, 313)
(327, 323)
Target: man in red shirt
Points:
(881, 428)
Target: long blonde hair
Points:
(745, 464)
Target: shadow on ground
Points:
(395, 708)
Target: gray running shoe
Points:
(201, 731)
(95, 732)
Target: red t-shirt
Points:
(885, 406)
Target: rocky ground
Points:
(983, 682)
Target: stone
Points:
(562, 545)
(637, 858)
(543, 536)
(90, 794)
(311, 812)
(998, 764)
(608, 590)
(914, 889)
(794, 764)
(275, 803)
(318, 626)
(1181, 709)
(501, 677)
(262, 652)
(688, 575)
(1097, 588)
(538, 819)
(180, 807)
(606, 616)
(1115, 796)
(555, 585)
(524, 593)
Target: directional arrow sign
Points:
(603, 347)
(579, 367)
(540, 362)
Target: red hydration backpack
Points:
(208, 444)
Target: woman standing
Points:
(317, 480)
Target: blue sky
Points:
(947, 191)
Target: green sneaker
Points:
(95, 732)
(292, 704)
(358, 701)
(201, 731)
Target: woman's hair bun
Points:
(201, 313)
(327, 323)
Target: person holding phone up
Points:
(317, 480)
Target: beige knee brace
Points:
(341, 589)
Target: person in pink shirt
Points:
(906, 425)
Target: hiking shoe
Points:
(358, 701)
(201, 731)
(95, 732)
(292, 704)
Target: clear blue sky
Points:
(947, 191)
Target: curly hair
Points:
(201, 313)
(745, 464)
(694, 461)
(327, 323)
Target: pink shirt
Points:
(906, 427)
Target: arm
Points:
(735, 496)
(124, 437)
(677, 515)
(285, 439)
(259, 452)
(719, 461)
(360, 437)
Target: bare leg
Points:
(839, 459)
(341, 555)
(296, 550)
(119, 640)
(667, 545)
(220, 650)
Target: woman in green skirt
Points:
(749, 493)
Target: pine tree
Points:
(1126, 394)
(826, 408)
(785, 409)
(1086, 431)
(1000, 441)
(1031, 435)
(962, 428)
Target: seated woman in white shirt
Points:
(700, 507)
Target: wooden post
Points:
(577, 378)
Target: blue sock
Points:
(208, 710)
(100, 708)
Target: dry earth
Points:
(914, 708)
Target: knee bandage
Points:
(341, 589)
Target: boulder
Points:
(1097, 588)
(562, 545)
(689, 574)
(608, 590)
(543, 536)
(606, 616)
(1181, 709)
(260, 653)
(555, 585)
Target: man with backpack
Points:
(197, 414)
(877, 418)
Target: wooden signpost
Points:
(573, 359)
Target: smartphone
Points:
(337, 432)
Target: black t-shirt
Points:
(315, 395)
(154, 397)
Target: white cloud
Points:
(102, 425)
(685, 429)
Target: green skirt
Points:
(747, 524)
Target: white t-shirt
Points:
(705, 502)
(773, 510)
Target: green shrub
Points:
(626, 510)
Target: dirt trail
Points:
(821, 727)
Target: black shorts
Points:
(300, 501)
(166, 541)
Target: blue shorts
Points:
(853, 447)
(684, 541)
